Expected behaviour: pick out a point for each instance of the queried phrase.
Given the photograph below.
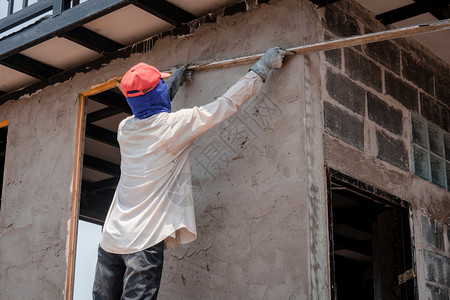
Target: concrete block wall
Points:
(374, 87)
(260, 203)
(369, 94)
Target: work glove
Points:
(178, 78)
(272, 59)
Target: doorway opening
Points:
(371, 251)
(101, 110)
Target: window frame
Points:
(77, 179)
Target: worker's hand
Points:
(272, 59)
(175, 81)
(187, 77)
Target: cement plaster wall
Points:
(253, 215)
(37, 193)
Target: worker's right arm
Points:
(188, 124)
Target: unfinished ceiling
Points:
(65, 35)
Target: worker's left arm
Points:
(175, 81)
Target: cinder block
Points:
(437, 268)
(392, 151)
(442, 89)
(432, 233)
(384, 115)
(435, 112)
(417, 73)
(340, 23)
(334, 57)
(346, 92)
(402, 92)
(421, 163)
(362, 69)
(344, 126)
(436, 293)
(386, 53)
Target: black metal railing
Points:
(20, 11)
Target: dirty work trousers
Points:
(128, 276)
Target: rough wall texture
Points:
(370, 93)
(37, 194)
(258, 177)
(249, 173)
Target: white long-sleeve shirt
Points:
(153, 200)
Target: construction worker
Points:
(152, 208)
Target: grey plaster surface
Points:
(251, 200)
(37, 194)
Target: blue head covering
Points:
(151, 103)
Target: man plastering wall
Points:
(152, 208)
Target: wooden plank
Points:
(323, 46)
(337, 43)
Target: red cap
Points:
(141, 79)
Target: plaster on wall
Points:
(252, 216)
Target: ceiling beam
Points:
(92, 40)
(93, 206)
(29, 66)
(400, 14)
(439, 9)
(102, 114)
(57, 25)
(362, 247)
(110, 183)
(322, 3)
(166, 11)
(102, 135)
(101, 165)
(113, 100)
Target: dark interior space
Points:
(101, 159)
(3, 137)
(370, 244)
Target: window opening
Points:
(370, 242)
